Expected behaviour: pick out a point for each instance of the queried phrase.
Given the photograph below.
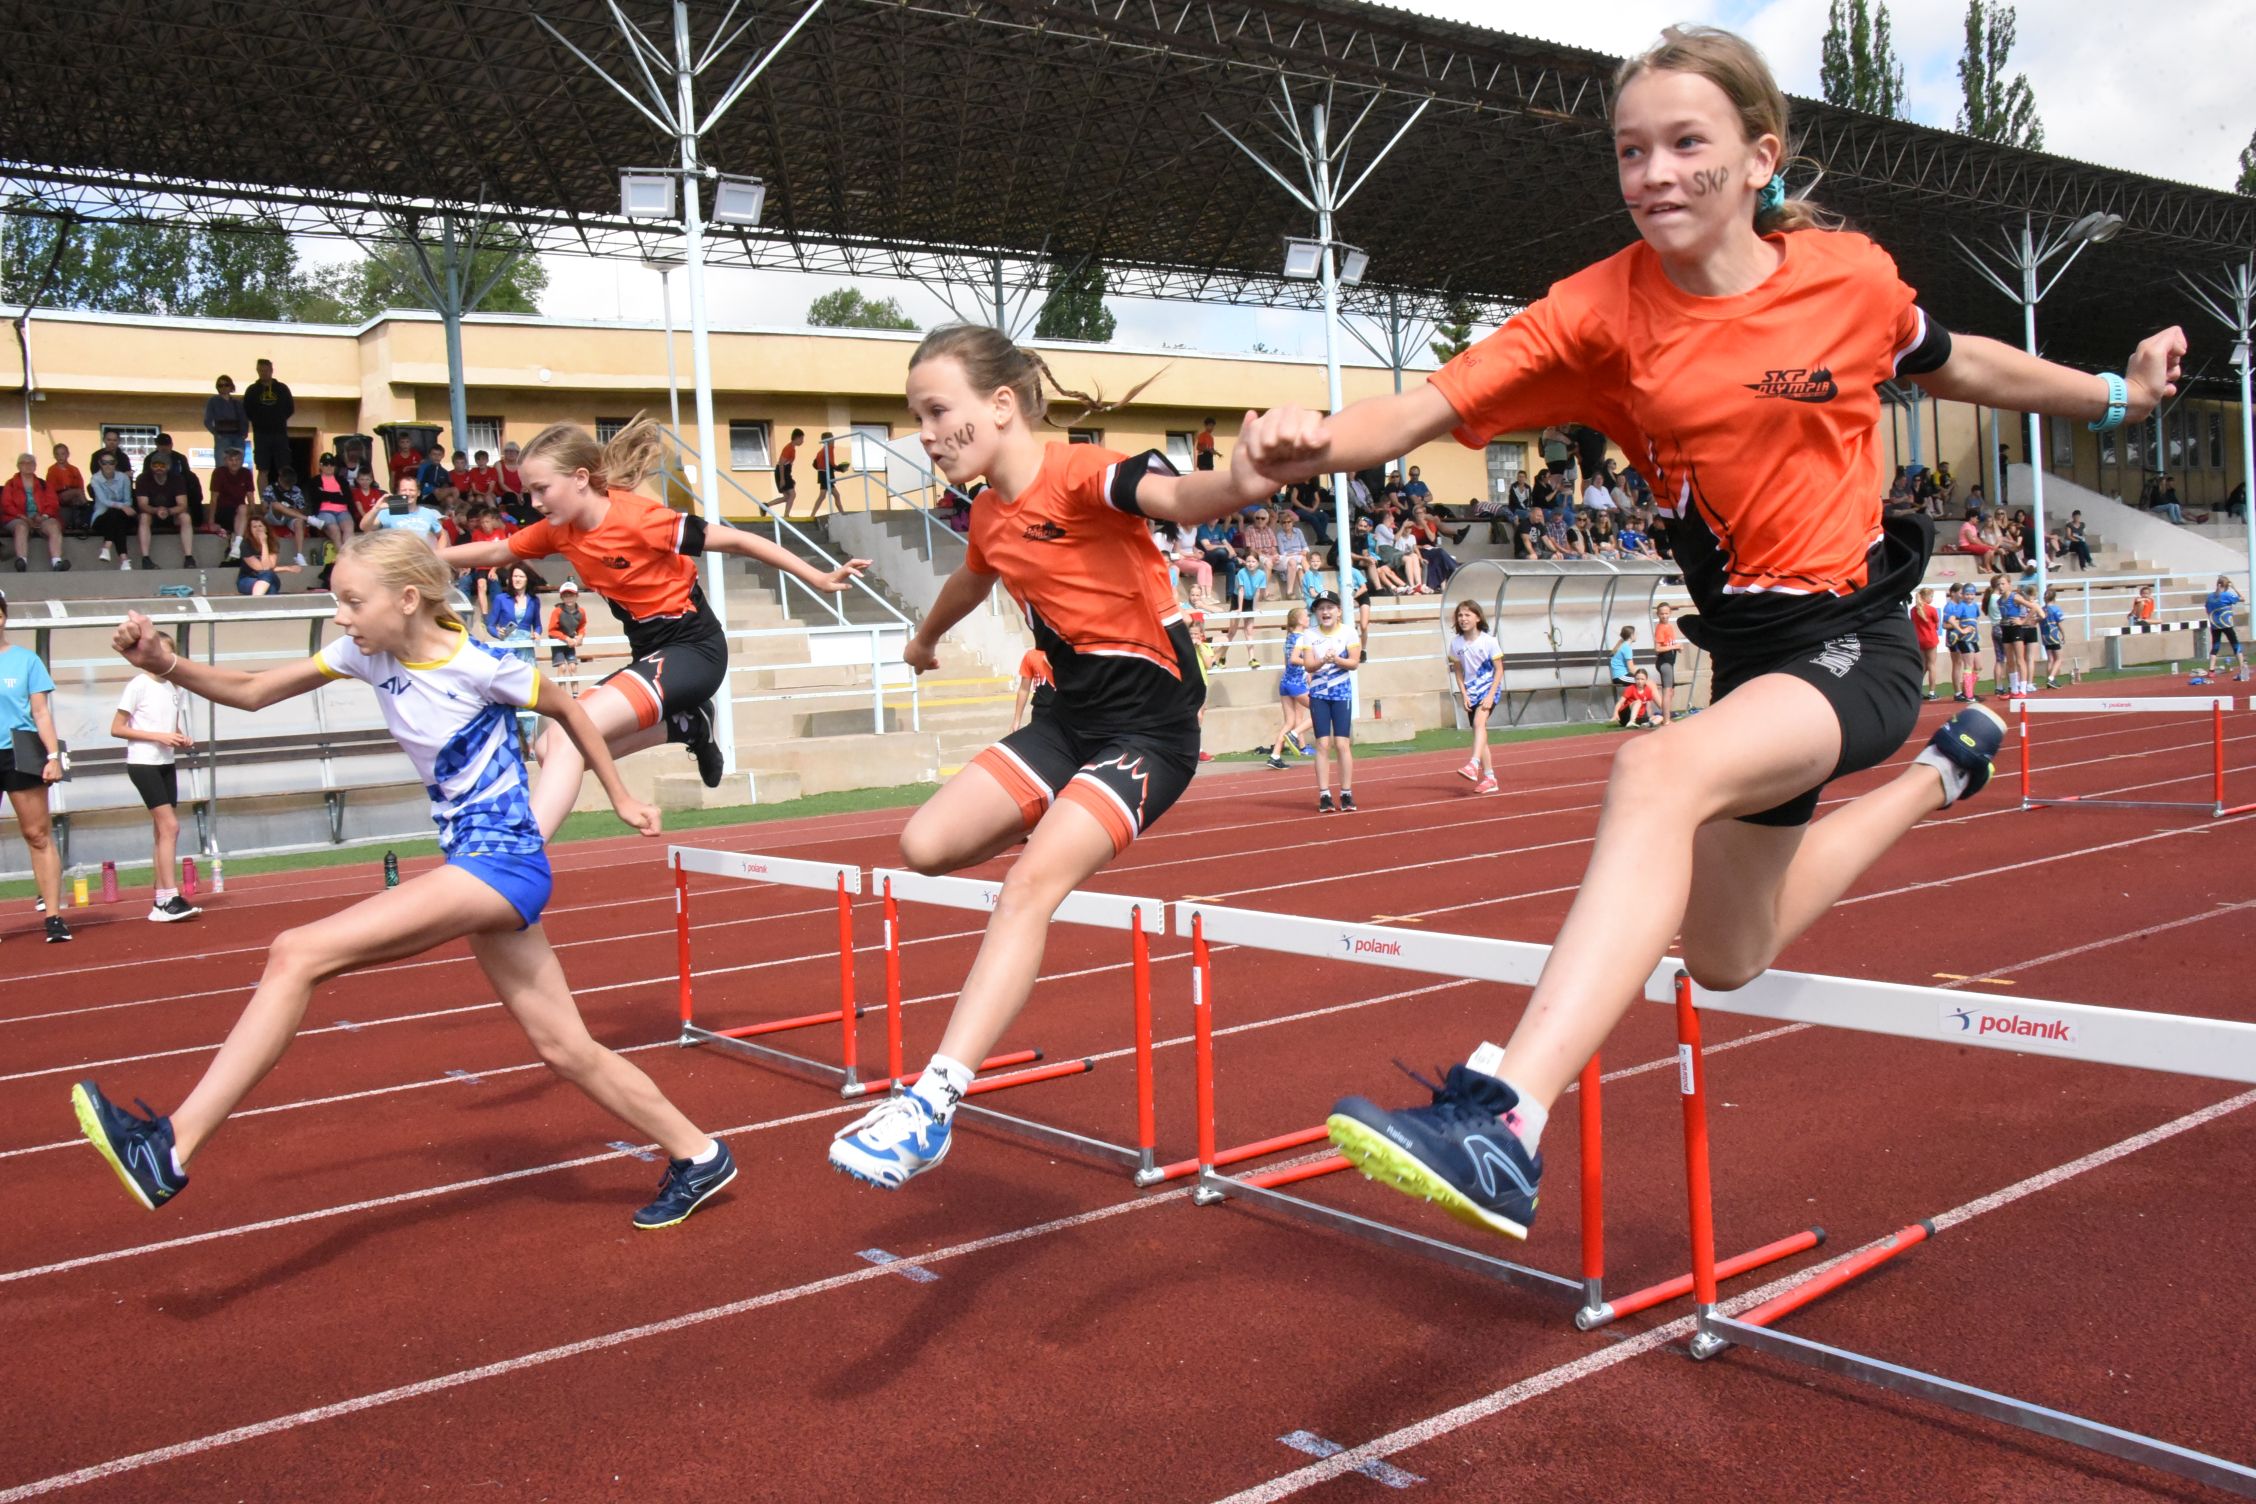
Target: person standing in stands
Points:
(149, 720)
(226, 419)
(1202, 446)
(270, 406)
(826, 476)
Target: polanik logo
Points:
(2014, 1027)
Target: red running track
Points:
(389, 1279)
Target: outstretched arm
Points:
(960, 595)
(731, 540)
(1295, 444)
(1205, 495)
(1995, 374)
(143, 646)
(481, 554)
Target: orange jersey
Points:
(790, 453)
(62, 477)
(1093, 586)
(1202, 440)
(1034, 669)
(641, 558)
(2142, 610)
(1756, 416)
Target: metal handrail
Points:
(779, 525)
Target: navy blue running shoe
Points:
(688, 1185)
(702, 745)
(1457, 1153)
(138, 1148)
(1964, 750)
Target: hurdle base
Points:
(817, 1071)
(2131, 1446)
(1213, 1188)
(2200, 806)
(1597, 1311)
(1063, 1139)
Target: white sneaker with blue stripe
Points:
(899, 1139)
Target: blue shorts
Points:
(1294, 684)
(521, 877)
(1332, 717)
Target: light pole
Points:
(2230, 299)
(2027, 255)
(665, 268)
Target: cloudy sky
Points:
(2162, 87)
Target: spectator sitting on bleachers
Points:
(286, 507)
(1292, 558)
(1257, 549)
(2166, 504)
(258, 569)
(1424, 534)
(2073, 542)
(366, 495)
(111, 446)
(185, 485)
(112, 490)
(406, 510)
(1971, 540)
(68, 483)
(1396, 557)
(432, 474)
(234, 496)
(28, 502)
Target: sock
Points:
(165, 895)
(1525, 1120)
(177, 1167)
(712, 1152)
(1954, 777)
(942, 1086)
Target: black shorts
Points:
(13, 782)
(1126, 780)
(672, 679)
(1871, 677)
(2221, 637)
(157, 783)
(2020, 634)
(784, 482)
(1204, 459)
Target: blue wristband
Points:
(2118, 401)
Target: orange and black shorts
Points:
(674, 677)
(1126, 780)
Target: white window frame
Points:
(1182, 449)
(1084, 436)
(136, 439)
(759, 432)
(607, 429)
(484, 433)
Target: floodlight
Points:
(646, 195)
(1353, 264)
(2240, 354)
(1304, 259)
(738, 201)
(2096, 227)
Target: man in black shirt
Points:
(270, 405)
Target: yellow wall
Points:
(530, 372)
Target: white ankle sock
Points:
(712, 1152)
(177, 1167)
(1525, 1120)
(942, 1086)
(164, 896)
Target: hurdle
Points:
(2180, 1044)
(1103, 911)
(1513, 963)
(2214, 706)
(845, 881)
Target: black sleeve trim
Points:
(1122, 479)
(690, 538)
(1930, 352)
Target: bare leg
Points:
(20, 532)
(1769, 740)
(167, 827)
(1068, 845)
(1345, 749)
(971, 820)
(37, 830)
(141, 526)
(1481, 753)
(404, 921)
(531, 984)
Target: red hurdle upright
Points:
(1510, 962)
(1095, 910)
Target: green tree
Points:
(2247, 183)
(243, 269)
(1074, 307)
(105, 266)
(1859, 67)
(1453, 331)
(348, 292)
(848, 309)
(1996, 108)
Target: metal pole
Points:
(2037, 451)
(701, 363)
(673, 381)
(2247, 457)
(450, 315)
(1321, 174)
(995, 282)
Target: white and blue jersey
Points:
(2049, 629)
(1330, 679)
(1475, 657)
(455, 718)
(1295, 681)
(2221, 606)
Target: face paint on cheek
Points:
(954, 442)
(1710, 180)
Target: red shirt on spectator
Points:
(63, 477)
(485, 480)
(460, 480)
(496, 533)
(404, 462)
(512, 482)
(12, 499)
(1927, 622)
(231, 488)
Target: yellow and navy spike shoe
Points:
(1459, 1153)
(687, 1186)
(138, 1148)
(1963, 749)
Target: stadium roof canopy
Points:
(928, 137)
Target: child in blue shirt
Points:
(2222, 607)
(1962, 634)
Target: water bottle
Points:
(188, 877)
(219, 875)
(391, 870)
(109, 882)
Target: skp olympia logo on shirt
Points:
(1797, 384)
(2035, 1028)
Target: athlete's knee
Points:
(571, 1053)
(300, 953)
(926, 850)
(1642, 780)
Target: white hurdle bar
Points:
(2213, 706)
(2217, 1049)
(1136, 917)
(1473, 958)
(840, 878)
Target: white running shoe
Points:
(301, 561)
(172, 910)
(106, 554)
(891, 1144)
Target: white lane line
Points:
(1554, 1379)
(457, 1380)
